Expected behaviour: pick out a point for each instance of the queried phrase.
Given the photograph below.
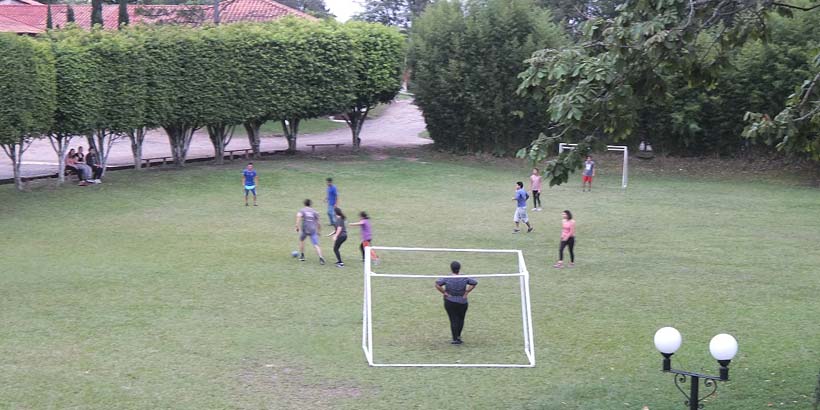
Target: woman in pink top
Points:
(535, 187)
(567, 239)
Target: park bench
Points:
(147, 162)
(246, 153)
(313, 146)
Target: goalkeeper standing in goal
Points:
(455, 290)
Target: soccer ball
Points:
(294, 254)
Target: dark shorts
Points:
(314, 237)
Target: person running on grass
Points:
(250, 179)
(332, 200)
(307, 224)
(535, 186)
(521, 207)
(339, 235)
(367, 236)
(589, 172)
(455, 290)
(567, 239)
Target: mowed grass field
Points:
(160, 290)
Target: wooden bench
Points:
(146, 162)
(247, 153)
(313, 146)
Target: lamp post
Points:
(723, 348)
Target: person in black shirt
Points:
(339, 234)
(455, 290)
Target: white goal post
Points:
(620, 148)
(526, 312)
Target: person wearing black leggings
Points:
(455, 290)
(339, 235)
(567, 240)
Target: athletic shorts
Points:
(521, 215)
(314, 237)
(250, 188)
(587, 178)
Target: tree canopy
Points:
(604, 87)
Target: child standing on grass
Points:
(567, 239)
(589, 172)
(535, 186)
(250, 180)
(367, 236)
(339, 235)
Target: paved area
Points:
(399, 125)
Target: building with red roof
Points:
(29, 16)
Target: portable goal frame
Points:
(620, 148)
(526, 310)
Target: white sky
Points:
(343, 9)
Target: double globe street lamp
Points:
(723, 348)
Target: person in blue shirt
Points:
(332, 200)
(250, 180)
(521, 207)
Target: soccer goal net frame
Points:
(526, 310)
(620, 148)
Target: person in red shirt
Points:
(567, 239)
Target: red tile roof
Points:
(25, 18)
(10, 25)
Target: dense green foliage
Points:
(379, 58)
(662, 71)
(27, 95)
(114, 84)
(399, 13)
(465, 57)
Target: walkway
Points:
(399, 125)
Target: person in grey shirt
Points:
(455, 290)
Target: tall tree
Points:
(69, 14)
(77, 100)
(49, 17)
(122, 17)
(316, 8)
(377, 77)
(27, 96)
(466, 56)
(599, 86)
(399, 13)
(96, 13)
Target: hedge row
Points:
(113, 84)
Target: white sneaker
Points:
(534, 209)
(540, 209)
(97, 181)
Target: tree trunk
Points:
(179, 136)
(355, 119)
(220, 135)
(15, 152)
(60, 144)
(105, 140)
(137, 136)
(291, 129)
(252, 127)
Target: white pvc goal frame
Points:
(620, 148)
(526, 310)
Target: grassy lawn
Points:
(160, 290)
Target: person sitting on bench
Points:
(83, 170)
(92, 160)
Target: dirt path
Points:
(399, 125)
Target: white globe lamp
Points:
(723, 348)
(667, 341)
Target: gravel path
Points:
(399, 125)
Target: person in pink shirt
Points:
(535, 187)
(567, 239)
